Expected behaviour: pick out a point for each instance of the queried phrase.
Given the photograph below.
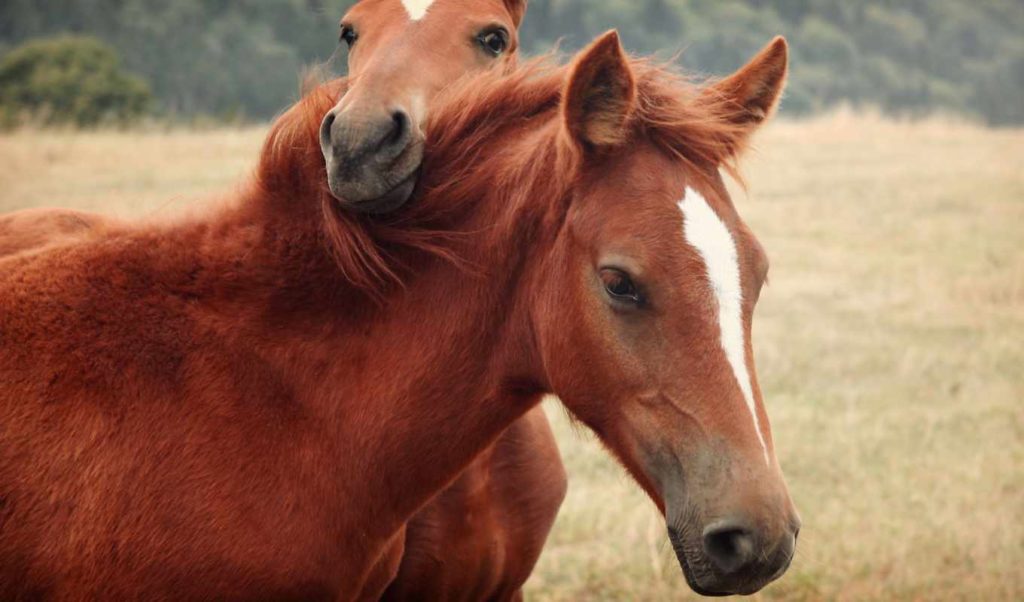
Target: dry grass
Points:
(122, 173)
(890, 344)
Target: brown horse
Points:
(211, 408)
(514, 489)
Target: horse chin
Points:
(697, 573)
(676, 538)
(392, 199)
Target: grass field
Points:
(890, 344)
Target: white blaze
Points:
(416, 8)
(703, 229)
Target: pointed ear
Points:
(600, 95)
(517, 8)
(753, 92)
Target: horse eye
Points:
(494, 41)
(348, 35)
(619, 286)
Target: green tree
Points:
(224, 57)
(69, 79)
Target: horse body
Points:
(530, 516)
(147, 332)
(160, 425)
(211, 409)
(173, 302)
(483, 533)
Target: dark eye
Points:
(619, 286)
(348, 35)
(493, 41)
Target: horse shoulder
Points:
(117, 380)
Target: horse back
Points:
(34, 229)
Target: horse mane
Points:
(467, 125)
(683, 117)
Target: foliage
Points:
(69, 79)
(222, 57)
(905, 57)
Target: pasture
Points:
(889, 344)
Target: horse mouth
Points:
(688, 573)
(692, 581)
(390, 200)
(734, 585)
(374, 189)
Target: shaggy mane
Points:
(470, 124)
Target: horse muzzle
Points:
(372, 162)
(727, 557)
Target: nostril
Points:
(325, 129)
(729, 546)
(400, 126)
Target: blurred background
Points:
(239, 58)
(889, 195)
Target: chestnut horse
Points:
(210, 409)
(514, 489)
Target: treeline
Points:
(224, 58)
(243, 57)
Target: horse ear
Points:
(752, 93)
(517, 8)
(600, 94)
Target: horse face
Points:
(402, 52)
(646, 331)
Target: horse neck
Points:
(418, 387)
(409, 391)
